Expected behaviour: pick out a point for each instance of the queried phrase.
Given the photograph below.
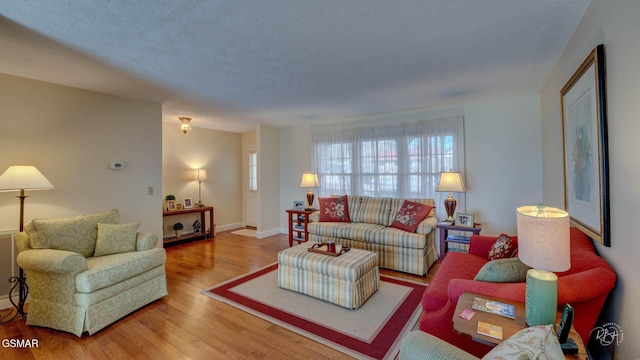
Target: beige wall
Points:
(72, 136)
(614, 24)
(220, 153)
(502, 146)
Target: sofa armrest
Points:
(418, 345)
(480, 245)
(585, 285)
(509, 291)
(314, 216)
(22, 241)
(427, 225)
(146, 241)
(52, 261)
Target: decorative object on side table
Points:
(464, 220)
(201, 175)
(177, 227)
(188, 203)
(450, 182)
(585, 141)
(310, 180)
(298, 205)
(543, 244)
(197, 227)
(21, 178)
(170, 202)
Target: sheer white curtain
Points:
(400, 160)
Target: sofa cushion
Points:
(77, 234)
(369, 233)
(396, 204)
(334, 209)
(108, 270)
(502, 248)
(503, 271)
(371, 210)
(410, 215)
(116, 238)
(536, 342)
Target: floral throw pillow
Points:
(411, 215)
(502, 248)
(334, 209)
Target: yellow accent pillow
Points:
(116, 238)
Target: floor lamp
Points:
(201, 175)
(21, 178)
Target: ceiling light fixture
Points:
(186, 126)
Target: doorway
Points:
(250, 189)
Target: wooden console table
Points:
(445, 238)
(204, 232)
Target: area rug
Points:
(245, 232)
(373, 331)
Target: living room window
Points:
(402, 160)
(253, 171)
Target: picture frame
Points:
(178, 206)
(187, 203)
(464, 220)
(585, 148)
(171, 205)
(298, 205)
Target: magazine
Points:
(494, 307)
(490, 330)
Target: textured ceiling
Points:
(232, 64)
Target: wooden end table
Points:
(298, 225)
(509, 326)
(444, 228)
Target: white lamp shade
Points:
(543, 238)
(450, 182)
(201, 174)
(309, 180)
(23, 177)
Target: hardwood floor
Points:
(186, 324)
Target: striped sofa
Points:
(369, 230)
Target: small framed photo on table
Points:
(464, 220)
(171, 205)
(298, 205)
(188, 204)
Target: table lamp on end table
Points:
(543, 244)
(310, 180)
(450, 182)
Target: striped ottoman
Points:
(347, 280)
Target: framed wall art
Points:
(586, 161)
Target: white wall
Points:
(268, 141)
(614, 24)
(220, 153)
(72, 136)
(503, 159)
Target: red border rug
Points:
(385, 343)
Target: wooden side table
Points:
(204, 234)
(445, 238)
(509, 326)
(298, 225)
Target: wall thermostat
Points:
(117, 165)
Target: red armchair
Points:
(585, 286)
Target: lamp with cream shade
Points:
(543, 244)
(310, 180)
(450, 182)
(21, 178)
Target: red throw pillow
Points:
(502, 248)
(411, 215)
(335, 209)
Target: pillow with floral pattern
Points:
(411, 215)
(334, 209)
(504, 247)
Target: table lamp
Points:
(450, 182)
(310, 180)
(21, 178)
(201, 175)
(543, 244)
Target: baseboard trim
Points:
(267, 233)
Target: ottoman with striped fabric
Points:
(347, 280)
